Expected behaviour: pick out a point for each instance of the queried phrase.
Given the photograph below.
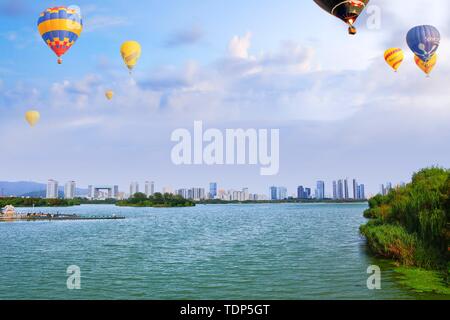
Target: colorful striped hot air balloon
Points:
(394, 57)
(346, 10)
(60, 28)
(428, 66)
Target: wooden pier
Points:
(55, 217)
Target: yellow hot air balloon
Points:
(109, 94)
(131, 52)
(32, 117)
(394, 57)
(428, 66)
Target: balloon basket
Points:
(352, 30)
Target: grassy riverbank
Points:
(158, 200)
(410, 225)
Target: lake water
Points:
(266, 251)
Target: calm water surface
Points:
(273, 251)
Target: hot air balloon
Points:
(32, 117)
(348, 11)
(424, 41)
(428, 66)
(394, 57)
(131, 52)
(109, 94)
(60, 28)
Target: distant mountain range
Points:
(31, 189)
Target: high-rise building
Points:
(245, 194)
(320, 190)
(355, 189)
(149, 188)
(386, 189)
(69, 190)
(52, 189)
(346, 194)
(300, 192)
(335, 193)
(237, 196)
(134, 188)
(90, 192)
(273, 193)
(307, 193)
(102, 192)
(197, 194)
(340, 189)
(361, 192)
(183, 193)
(281, 193)
(116, 192)
(278, 193)
(212, 190)
(221, 194)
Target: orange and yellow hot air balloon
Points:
(60, 28)
(394, 57)
(32, 117)
(428, 66)
(109, 94)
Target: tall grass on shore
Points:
(411, 224)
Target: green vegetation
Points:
(37, 202)
(411, 226)
(157, 200)
(423, 281)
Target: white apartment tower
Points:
(52, 189)
(69, 190)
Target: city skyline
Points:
(339, 191)
(344, 188)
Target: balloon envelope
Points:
(394, 57)
(109, 94)
(131, 52)
(423, 41)
(60, 28)
(428, 66)
(348, 11)
(32, 117)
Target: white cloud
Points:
(239, 46)
(98, 22)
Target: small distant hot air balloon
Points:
(394, 57)
(424, 41)
(32, 117)
(60, 28)
(348, 11)
(428, 66)
(109, 94)
(131, 52)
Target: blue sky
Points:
(250, 64)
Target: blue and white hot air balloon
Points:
(424, 41)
